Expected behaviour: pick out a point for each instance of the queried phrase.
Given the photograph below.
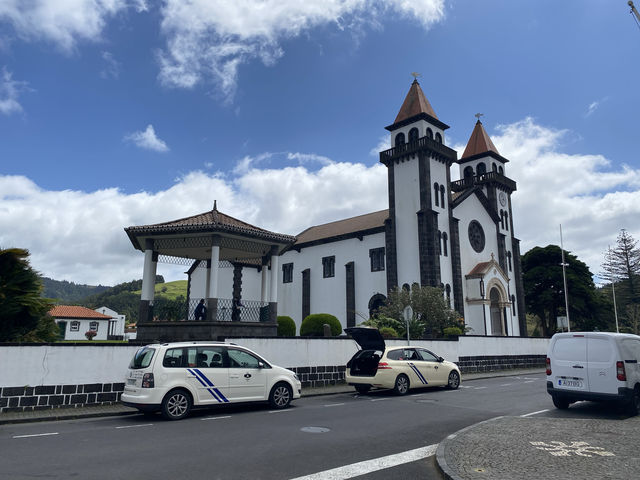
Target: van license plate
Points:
(131, 381)
(570, 383)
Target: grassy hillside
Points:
(169, 290)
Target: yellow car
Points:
(399, 368)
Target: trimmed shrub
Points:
(286, 326)
(313, 325)
(452, 331)
(388, 332)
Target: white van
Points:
(174, 377)
(596, 366)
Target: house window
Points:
(447, 290)
(506, 220)
(482, 168)
(468, 172)
(439, 236)
(442, 196)
(93, 326)
(509, 258)
(444, 244)
(513, 305)
(436, 189)
(75, 326)
(287, 272)
(377, 259)
(413, 135)
(399, 139)
(438, 137)
(329, 266)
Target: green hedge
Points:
(313, 325)
(286, 326)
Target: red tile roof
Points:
(74, 311)
(414, 104)
(361, 223)
(479, 142)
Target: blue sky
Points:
(117, 113)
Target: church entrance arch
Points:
(375, 302)
(496, 309)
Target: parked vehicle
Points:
(596, 366)
(399, 368)
(174, 377)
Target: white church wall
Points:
(407, 189)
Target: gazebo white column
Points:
(273, 285)
(212, 280)
(264, 285)
(148, 282)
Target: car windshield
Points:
(142, 358)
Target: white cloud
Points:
(78, 236)
(595, 105)
(111, 67)
(9, 91)
(207, 41)
(61, 22)
(147, 140)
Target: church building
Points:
(456, 235)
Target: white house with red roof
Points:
(74, 321)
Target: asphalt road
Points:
(376, 436)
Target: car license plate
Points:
(570, 383)
(131, 381)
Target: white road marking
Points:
(137, 426)
(506, 384)
(378, 399)
(368, 466)
(478, 388)
(534, 413)
(217, 418)
(36, 435)
(529, 381)
(334, 404)
(275, 411)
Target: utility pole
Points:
(564, 278)
(634, 12)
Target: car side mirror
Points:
(260, 365)
(440, 359)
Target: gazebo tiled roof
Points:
(75, 311)
(212, 221)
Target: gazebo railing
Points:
(230, 311)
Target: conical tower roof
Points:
(479, 143)
(415, 107)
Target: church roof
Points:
(414, 107)
(211, 221)
(479, 142)
(74, 311)
(341, 229)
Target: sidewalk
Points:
(118, 409)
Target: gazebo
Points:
(210, 240)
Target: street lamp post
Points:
(564, 278)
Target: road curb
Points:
(441, 461)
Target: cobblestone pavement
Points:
(533, 448)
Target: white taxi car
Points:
(399, 368)
(174, 377)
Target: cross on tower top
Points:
(415, 75)
(478, 115)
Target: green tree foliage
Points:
(21, 306)
(431, 313)
(68, 292)
(544, 291)
(313, 325)
(286, 326)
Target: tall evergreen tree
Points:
(622, 265)
(21, 306)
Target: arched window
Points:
(430, 133)
(444, 243)
(438, 137)
(513, 305)
(375, 302)
(509, 259)
(436, 189)
(494, 167)
(439, 236)
(468, 172)
(501, 170)
(506, 220)
(502, 219)
(447, 290)
(406, 287)
(413, 134)
(442, 196)
(399, 139)
(482, 168)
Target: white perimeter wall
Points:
(73, 365)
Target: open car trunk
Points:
(364, 363)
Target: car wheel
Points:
(560, 402)
(176, 405)
(633, 407)
(402, 384)
(454, 380)
(281, 395)
(363, 388)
